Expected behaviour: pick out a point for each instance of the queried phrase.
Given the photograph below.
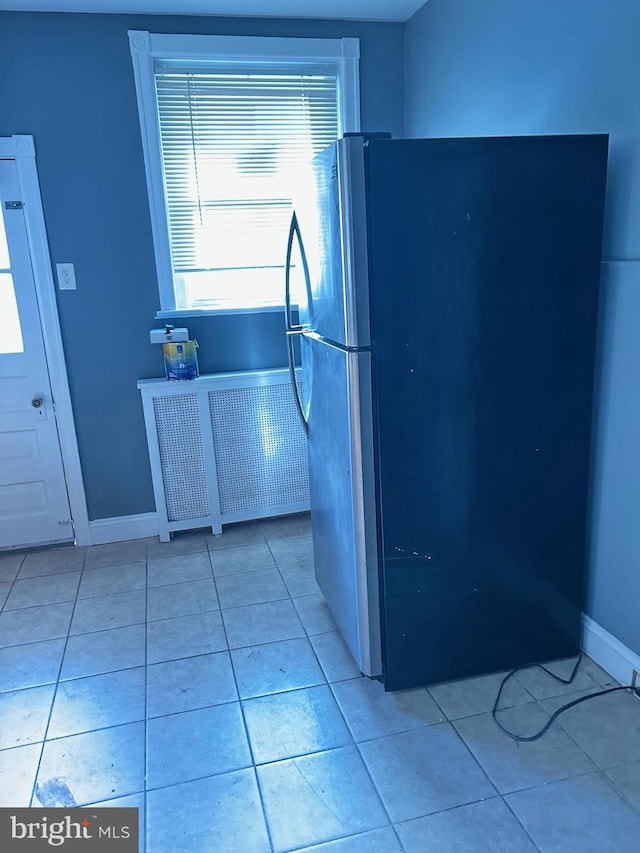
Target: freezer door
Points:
(341, 484)
(331, 212)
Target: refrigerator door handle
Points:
(294, 231)
(294, 384)
(294, 328)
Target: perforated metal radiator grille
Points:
(260, 449)
(181, 456)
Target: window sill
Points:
(181, 313)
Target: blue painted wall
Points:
(68, 80)
(477, 67)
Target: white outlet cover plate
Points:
(66, 277)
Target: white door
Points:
(34, 506)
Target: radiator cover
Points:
(224, 447)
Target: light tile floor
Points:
(204, 682)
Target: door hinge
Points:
(14, 205)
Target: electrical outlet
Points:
(66, 277)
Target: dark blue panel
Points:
(485, 259)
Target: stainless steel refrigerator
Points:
(447, 294)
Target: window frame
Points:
(149, 48)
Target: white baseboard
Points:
(608, 652)
(105, 530)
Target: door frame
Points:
(21, 149)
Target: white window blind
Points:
(231, 143)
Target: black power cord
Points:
(632, 688)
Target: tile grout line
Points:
(444, 721)
(593, 772)
(13, 583)
(373, 783)
(326, 683)
(520, 823)
(612, 784)
(451, 809)
(57, 684)
(574, 741)
(244, 722)
(353, 744)
(597, 772)
(473, 755)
